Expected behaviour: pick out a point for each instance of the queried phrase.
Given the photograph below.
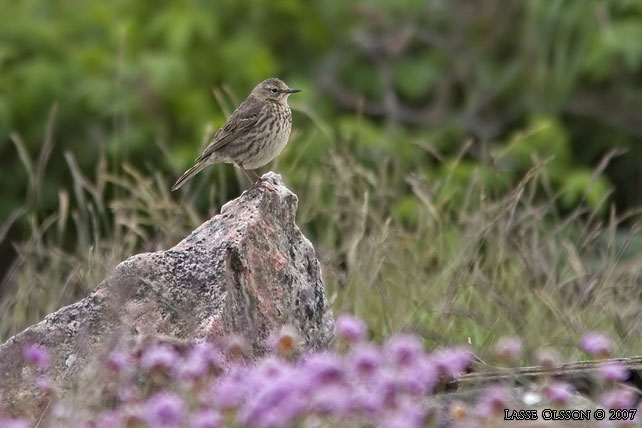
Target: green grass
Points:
(482, 268)
(455, 263)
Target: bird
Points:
(254, 134)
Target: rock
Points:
(246, 271)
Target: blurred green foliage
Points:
(454, 159)
(399, 85)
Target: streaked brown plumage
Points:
(254, 134)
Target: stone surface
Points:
(246, 271)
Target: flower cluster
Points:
(383, 385)
(387, 385)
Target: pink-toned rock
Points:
(246, 271)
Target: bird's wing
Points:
(244, 118)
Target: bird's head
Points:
(273, 89)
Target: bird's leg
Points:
(259, 179)
(246, 175)
(260, 182)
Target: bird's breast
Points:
(270, 137)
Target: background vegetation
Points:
(466, 169)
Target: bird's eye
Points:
(274, 90)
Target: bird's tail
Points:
(188, 174)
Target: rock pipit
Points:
(254, 134)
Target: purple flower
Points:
(274, 402)
(210, 353)
(13, 423)
(230, 390)
(364, 360)
(403, 350)
(200, 360)
(509, 348)
(558, 392)
(493, 401)
(614, 372)
(350, 329)
(597, 344)
(118, 361)
(407, 416)
(419, 379)
(386, 388)
(366, 401)
(189, 369)
(618, 398)
(451, 362)
(333, 400)
(164, 409)
(36, 355)
(322, 368)
(272, 367)
(206, 419)
(161, 355)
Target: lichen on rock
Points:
(247, 271)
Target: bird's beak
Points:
(292, 91)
